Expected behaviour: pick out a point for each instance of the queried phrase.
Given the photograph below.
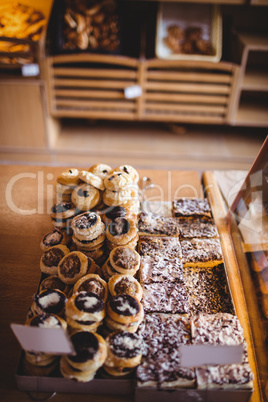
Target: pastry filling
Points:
(119, 226)
(93, 286)
(52, 257)
(124, 285)
(51, 301)
(61, 207)
(89, 302)
(53, 238)
(45, 321)
(125, 344)
(70, 267)
(86, 221)
(86, 346)
(83, 193)
(125, 305)
(116, 212)
(125, 257)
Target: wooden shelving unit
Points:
(250, 106)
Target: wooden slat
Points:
(188, 76)
(94, 114)
(190, 98)
(95, 73)
(186, 108)
(193, 88)
(95, 104)
(207, 65)
(183, 117)
(89, 94)
(93, 58)
(91, 83)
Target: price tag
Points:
(134, 91)
(30, 70)
(47, 340)
(199, 355)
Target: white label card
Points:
(46, 340)
(132, 92)
(199, 355)
(30, 70)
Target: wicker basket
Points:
(207, 17)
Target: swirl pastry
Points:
(51, 257)
(87, 226)
(124, 349)
(125, 260)
(92, 179)
(92, 283)
(69, 177)
(130, 170)
(85, 197)
(91, 352)
(62, 210)
(113, 198)
(117, 181)
(124, 309)
(125, 284)
(72, 267)
(121, 231)
(50, 301)
(53, 282)
(101, 170)
(53, 238)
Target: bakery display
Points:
(136, 286)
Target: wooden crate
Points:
(92, 86)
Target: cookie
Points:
(69, 177)
(92, 179)
(87, 226)
(113, 198)
(72, 267)
(101, 170)
(53, 282)
(85, 307)
(53, 238)
(125, 284)
(124, 349)
(121, 230)
(49, 301)
(124, 309)
(62, 210)
(130, 170)
(125, 260)
(117, 181)
(85, 197)
(92, 283)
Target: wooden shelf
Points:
(255, 80)
(252, 114)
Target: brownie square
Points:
(197, 228)
(191, 207)
(165, 297)
(159, 269)
(201, 252)
(162, 334)
(153, 224)
(236, 376)
(207, 290)
(166, 247)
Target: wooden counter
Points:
(26, 198)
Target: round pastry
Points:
(124, 349)
(51, 301)
(45, 320)
(69, 177)
(85, 197)
(91, 244)
(72, 267)
(92, 283)
(62, 189)
(117, 371)
(40, 359)
(119, 284)
(96, 254)
(121, 230)
(74, 325)
(72, 373)
(133, 205)
(85, 306)
(92, 179)
(115, 326)
(53, 282)
(51, 257)
(117, 180)
(63, 210)
(39, 371)
(87, 226)
(115, 212)
(113, 198)
(101, 170)
(53, 238)
(124, 309)
(130, 170)
(125, 260)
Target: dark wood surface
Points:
(26, 196)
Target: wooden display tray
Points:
(171, 182)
